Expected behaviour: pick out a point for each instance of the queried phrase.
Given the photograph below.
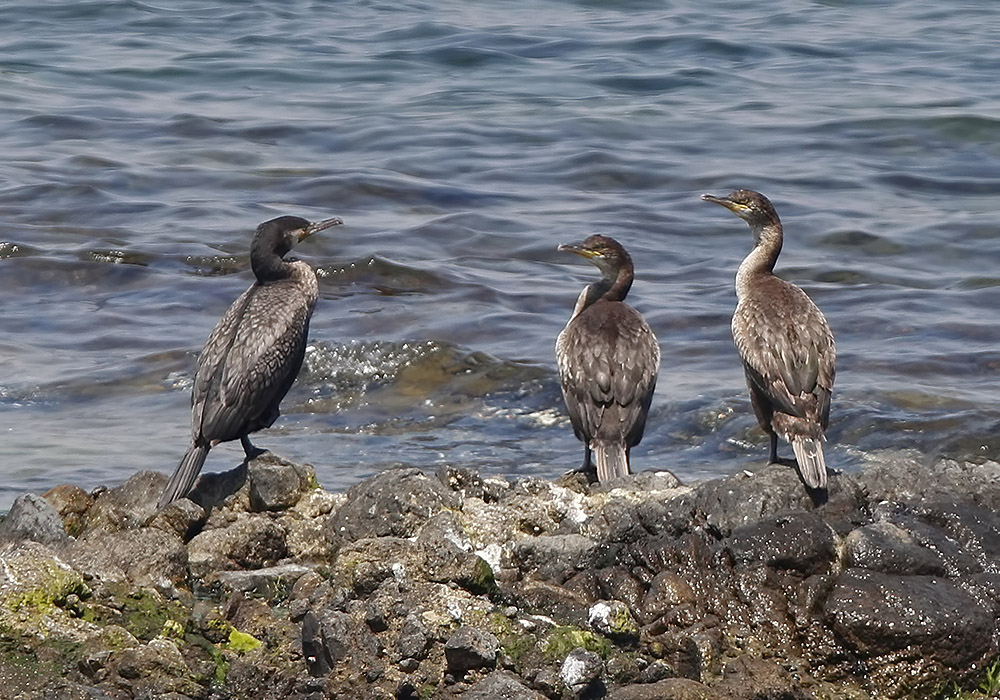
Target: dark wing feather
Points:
(260, 362)
(787, 348)
(608, 364)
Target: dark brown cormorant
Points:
(785, 343)
(255, 352)
(608, 361)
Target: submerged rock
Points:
(455, 585)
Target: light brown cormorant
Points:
(785, 343)
(608, 361)
(255, 352)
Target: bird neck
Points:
(767, 246)
(268, 266)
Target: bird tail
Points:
(611, 459)
(812, 464)
(184, 476)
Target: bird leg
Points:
(252, 451)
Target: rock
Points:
(890, 549)
(670, 689)
(803, 542)
(145, 557)
(269, 583)
(580, 670)
(553, 557)
(501, 685)
(276, 484)
(72, 503)
(183, 518)
(414, 638)
(251, 542)
(33, 518)
(920, 618)
(394, 503)
(747, 678)
(470, 648)
(614, 619)
(155, 669)
(127, 506)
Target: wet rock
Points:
(803, 542)
(920, 618)
(33, 518)
(127, 506)
(501, 685)
(890, 549)
(276, 483)
(155, 669)
(470, 648)
(145, 557)
(670, 689)
(580, 670)
(394, 503)
(747, 678)
(251, 542)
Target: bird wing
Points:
(259, 352)
(787, 349)
(608, 363)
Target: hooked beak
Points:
(585, 252)
(317, 226)
(735, 207)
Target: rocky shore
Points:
(457, 585)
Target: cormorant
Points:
(608, 361)
(255, 352)
(785, 343)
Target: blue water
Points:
(462, 142)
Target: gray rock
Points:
(554, 557)
(276, 484)
(613, 619)
(183, 518)
(127, 506)
(155, 669)
(394, 503)
(470, 648)
(253, 541)
(270, 583)
(33, 518)
(580, 670)
(501, 685)
(145, 557)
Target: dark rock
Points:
(890, 549)
(414, 638)
(470, 648)
(670, 689)
(127, 506)
(276, 483)
(394, 503)
(747, 678)
(667, 591)
(803, 542)
(877, 614)
(33, 518)
(580, 670)
(501, 685)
